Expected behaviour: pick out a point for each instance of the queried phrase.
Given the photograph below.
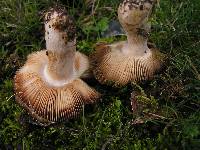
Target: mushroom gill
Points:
(132, 60)
(48, 86)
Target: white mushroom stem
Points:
(136, 45)
(61, 53)
(133, 16)
(60, 67)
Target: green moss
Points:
(173, 93)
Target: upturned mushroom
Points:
(48, 86)
(132, 60)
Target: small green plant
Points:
(96, 27)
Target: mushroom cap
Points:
(112, 66)
(133, 14)
(47, 103)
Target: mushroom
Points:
(132, 60)
(48, 86)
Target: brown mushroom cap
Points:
(48, 86)
(131, 60)
(112, 66)
(48, 103)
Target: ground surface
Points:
(170, 102)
